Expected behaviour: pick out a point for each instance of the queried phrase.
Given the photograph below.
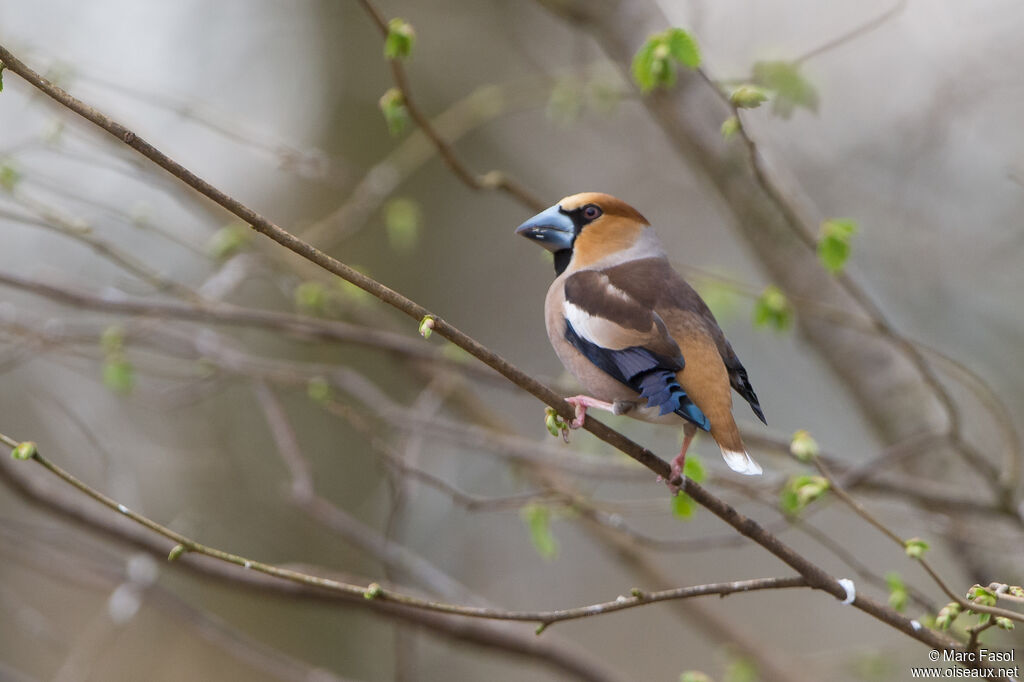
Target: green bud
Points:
(228, 240)
(9, 175)
(800, 491)
(112, 340)
(396, 114)
(118, 374)
(318, 390)
(1004, 623)
(176, 552)
(898, 595)
(730, 127)
(982, 595)
(427, 326)
(694, 676)
(947, 614)
(803, 446)
(748, 97)
(554, 423)
(772, 309)
(400, 39)
(373, 591)
(538, 522)
(915, 548)
(834, 243)
(402, 218)
(311, 297)
(25, 450)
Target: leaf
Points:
(740, 670)
(916, 547)
(693, 468)
(565, 105)
(400, 39)
(683, 48)
(683, 506)
(112, 339)
(721, 298)
(655, 63)
(791, 89)
(748, 97)
(311, 297)
(730, 127)
(643, 72)
(538, 522)
(9, 175)
(834, 243)
(402, 219)
(396, 114)
(772, 309)
(897, 591)
(228, 240)
(118, 374)
(319, 391)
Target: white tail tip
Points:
(741, 463)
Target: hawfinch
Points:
(632, 331)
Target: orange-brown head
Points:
(585, 228)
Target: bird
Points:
(634, 333)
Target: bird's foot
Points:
(679, 462)
(677, 472)
(581, 403)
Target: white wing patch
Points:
(583, 322)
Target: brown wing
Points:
(654, 284)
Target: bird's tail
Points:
(733, 451)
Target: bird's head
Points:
(585, 228)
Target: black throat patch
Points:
(562, 259)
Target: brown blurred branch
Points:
(487, 634)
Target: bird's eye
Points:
(591, 212)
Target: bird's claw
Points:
(581, 411)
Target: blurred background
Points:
(400, 460)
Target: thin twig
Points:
(863, 512)
(491, 180)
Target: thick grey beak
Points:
(550, 228)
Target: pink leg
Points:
(689, 431)
(581, 403)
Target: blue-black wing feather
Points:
(651, 375)
(740, 382)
